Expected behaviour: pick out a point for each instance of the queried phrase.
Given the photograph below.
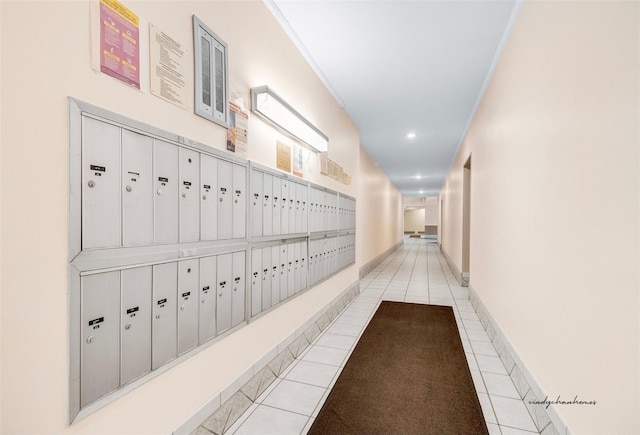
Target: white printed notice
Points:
(169, 75)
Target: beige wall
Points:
(46, 58)
(431, 211)
(554, 206)
(379, 212)
(430, 205)
(414, 220)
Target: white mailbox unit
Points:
(174, 244)
(157, 251)
(278, 204)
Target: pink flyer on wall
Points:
(119, 48)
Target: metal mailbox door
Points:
(135, 331)
(321, 260)
(304, 261)
(223, 304)
(333, 208)
(298, 262)
(284, 207)
(266, 278)
(238, 307)
(208, 200)
(100, 185)
(225, 200)
(137, 189)
(298, 226)
(333, 245)
(300, 206)
(305, 209)
(267, 201)
(284, 274)
(166, 208)
(256, 281)
(188, 283)
(291, 273)
(313, 211)
(100, 358)
(324, 205)
(277, 197)
(275, 275)
(189, 195)
(313, 262)
(164, 325)
(239, 201)
(292, 207)
(256, 203)
(208, 286)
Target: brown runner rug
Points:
(407, 375)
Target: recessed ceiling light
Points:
(411, 135)
(422, 191)
(418, 177)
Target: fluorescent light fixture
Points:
(271, 107)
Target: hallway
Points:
(415, 273)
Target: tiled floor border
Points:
(219, 414)
(546, 420)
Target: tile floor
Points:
(415, 273)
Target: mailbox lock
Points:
(220, 199)
(204, 196)
(127, 326)
(129, 189)
(182, 307)
(159, 192)
(157, 316)
(203, 301)
(90, 339)
(184, 194)
(91, 184)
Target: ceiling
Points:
(401, 67)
